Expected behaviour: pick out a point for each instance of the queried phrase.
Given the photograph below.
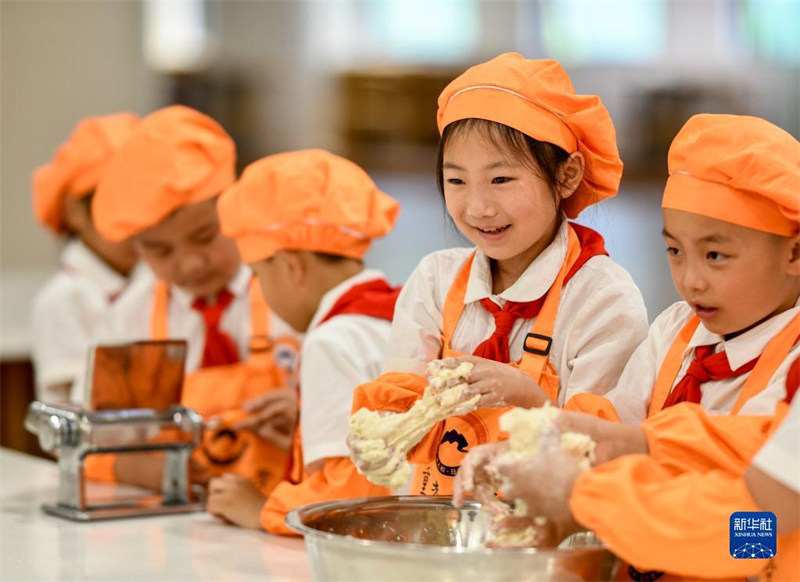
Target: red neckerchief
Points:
(374, 298)
(495, 347)
(792, 380)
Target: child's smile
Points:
(501, 204)
(492, 234)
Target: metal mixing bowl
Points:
(414, 539)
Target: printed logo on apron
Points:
(286, 353)
(459, 434)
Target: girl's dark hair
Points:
(542, 157)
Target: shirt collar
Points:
(748, 345)
(238, 285)
(534, 281)
(79, 258)
(333, 295)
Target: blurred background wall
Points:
(361, 78)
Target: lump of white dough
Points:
(376, 433)
(441, 377)
(532, 432)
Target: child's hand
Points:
(273, 416)
(236, 500)
(475, 476)
(482, 473)
(544, 483)
(362, 451)
(500, 384)
(613, 439)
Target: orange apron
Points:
(774, 354)
(219, 392)
(460, 433)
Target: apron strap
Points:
(772, 357)
(261, 343)
(159, 318)
(536, 350)
(454, 303)
(671, 366)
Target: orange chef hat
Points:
(306, 200)
(176, 157)
(536, 97)
(739, 169)
(78, 164)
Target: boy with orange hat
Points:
(303, 221)
(537, 308)
(732, 229)
(160, 192)
(70, 306)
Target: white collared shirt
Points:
(632, 396)
(132, 315)
(337, 356)
(601, 317)
(778, 458)
(66, 313)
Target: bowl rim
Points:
(294, 521)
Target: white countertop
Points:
(37, 546)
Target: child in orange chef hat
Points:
(94, 271)
(160, 192)
(303, 221)
(537, 307)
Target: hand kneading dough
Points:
(531, 432)
(385, 440)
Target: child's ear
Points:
(794, 260)
(570, 174)
(295, 267)
(76, 215)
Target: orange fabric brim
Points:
(512, 110)
(300, 237)
(721, 202)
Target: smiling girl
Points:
(537, 306)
